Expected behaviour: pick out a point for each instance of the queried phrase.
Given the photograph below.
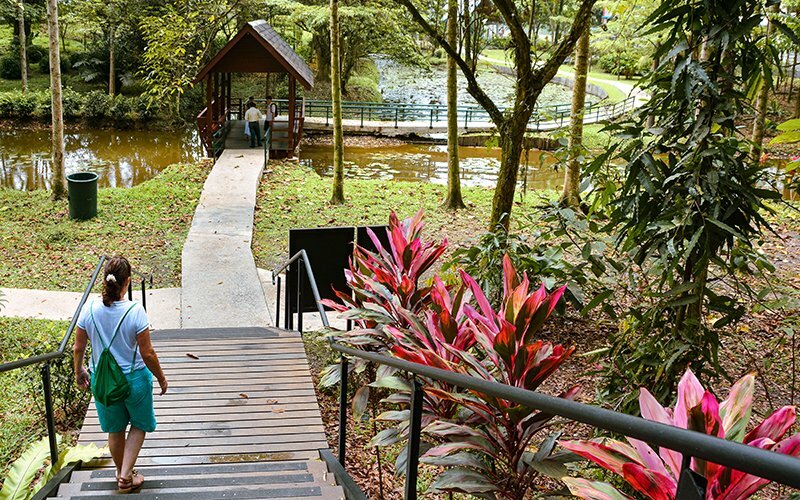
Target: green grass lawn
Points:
(22, 405)
(43, 248)
(293, 196)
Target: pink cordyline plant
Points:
(387, 281)
(486, 450)
(655, 475)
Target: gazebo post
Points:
(216, 95)
(291, 117)
(209, 118)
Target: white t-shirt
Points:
(107, 318)
(253, 115)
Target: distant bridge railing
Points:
(430, 115)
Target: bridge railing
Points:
(46, 359)
(780, 468)
(555, 115)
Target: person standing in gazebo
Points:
(252, 117)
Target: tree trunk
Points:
(453, 200)
(468, 48)
(791, 81)
(23, 44)
(512, 135)
(58, 184)
(112, 76)
(337, 197)
(761, 105)
(571, 196)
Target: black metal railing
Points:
(303, 264)
(46, 359)
(780, 468)
(548, 116)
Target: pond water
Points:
(401, 83)
(428, 163)
(122, 158)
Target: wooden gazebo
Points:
(257, 48)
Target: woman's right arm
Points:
(151, 359)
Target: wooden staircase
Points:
(240, 419)
(285, 479)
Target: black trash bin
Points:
(82, 189)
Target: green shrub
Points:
(72, 103)
(43, 104)
(120, 108)
(25, 105)
(7, 104)
(9, 68)
(36, 54)
(96, 105)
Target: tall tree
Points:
(58, 183)
(23, 44)
(572, 175)
(112, 69)
(337, 198)
(454, 200)
(763, 97)
(530, 80)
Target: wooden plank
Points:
(168, 441)
(236, 359)
(223, 417)
(194, 397)
(216, 427)
(245, 449)
(181, 433)
(229, 410)
(213, 459)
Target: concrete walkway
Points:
(219, 278)
(163, 305)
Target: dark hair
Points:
(116, 273)
(269, 97)
(252, 98)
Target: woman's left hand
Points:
(82, 379)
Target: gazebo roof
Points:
(257, 48)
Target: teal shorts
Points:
(137, 409)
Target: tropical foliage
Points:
(32, 470)
(655, 474)
(482, 441)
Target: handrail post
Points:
(343, 370)
(278, 305)
(414, 436)
(130, 291)
(299, 296)
(362, 116)
(396, 115)
(48, 408)
(144, 295)
(691, 485)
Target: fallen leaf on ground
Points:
(278, 410)
(192, 355)
(243, 395)
(272, 401)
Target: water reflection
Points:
(122, 158)
(428, 163)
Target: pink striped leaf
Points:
(735, 411)
(592, 490)
(611, 455)
(775, 426)
(654, 485)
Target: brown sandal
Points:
(128, 484)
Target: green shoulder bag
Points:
(109, 384)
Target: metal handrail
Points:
(434, 113)
(46, 358)
(303, 257)
(777, 467)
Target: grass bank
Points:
(293, 196)
(43, 248)
(22, 405)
